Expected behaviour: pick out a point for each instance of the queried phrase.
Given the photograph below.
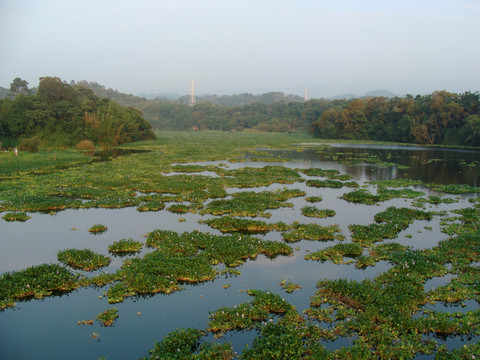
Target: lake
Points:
(48, 328)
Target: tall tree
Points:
(19, 87)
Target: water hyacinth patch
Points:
(83, 259)
(186, 258)
(313, 199)
(231, 250)
(312, 211)
(185, 344)
(125, 246)
(312, 232)
(16, 216)
(151, 206)
(388, 224)
(97, 229)
(108, 317)
(327, 173)
(337, 253)
(363, 196)
(289, 286)
(251, 203)
(335, 184)
(36, 281)
(228, 224)
(247, 315)
(179, 208)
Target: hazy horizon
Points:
(328, 47)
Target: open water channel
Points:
(48, 328)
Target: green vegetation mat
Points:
(390, 316)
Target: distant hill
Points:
(380, 93)
(3, 92)
(346, 96)
(102, 92)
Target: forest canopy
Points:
(61, 114)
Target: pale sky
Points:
(329, 47)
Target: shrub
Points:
(85, 145)
(31, 145)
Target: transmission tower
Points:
(192, 94)
(305, 95)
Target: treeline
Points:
(243, 99)
(439, 118)
(60, 114)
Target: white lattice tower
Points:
(192, 94)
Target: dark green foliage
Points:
(83, 259)
(186, 344)
(287, 341)
(31, 145)
(35, 281)
(61, 114)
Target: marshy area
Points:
(241, 245)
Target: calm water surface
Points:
(47, 329)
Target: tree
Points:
(471, 130)
(19, 86)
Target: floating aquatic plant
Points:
(228, 224)
(289, 286)
(312, 232)
(97, 229)
(250, 203)
(312, 211)
(108, 317)
(125, 246)
(16, 216)
(314, 199)
(185, 344)
(388, 224)
(337, 253)
(335, 184)
(83, 259)
(36, 281)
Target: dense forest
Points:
(87, 110)
(60, 114)
(438, 118)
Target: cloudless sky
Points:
(235, 46)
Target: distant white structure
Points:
(192, 94)
(305, 95)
